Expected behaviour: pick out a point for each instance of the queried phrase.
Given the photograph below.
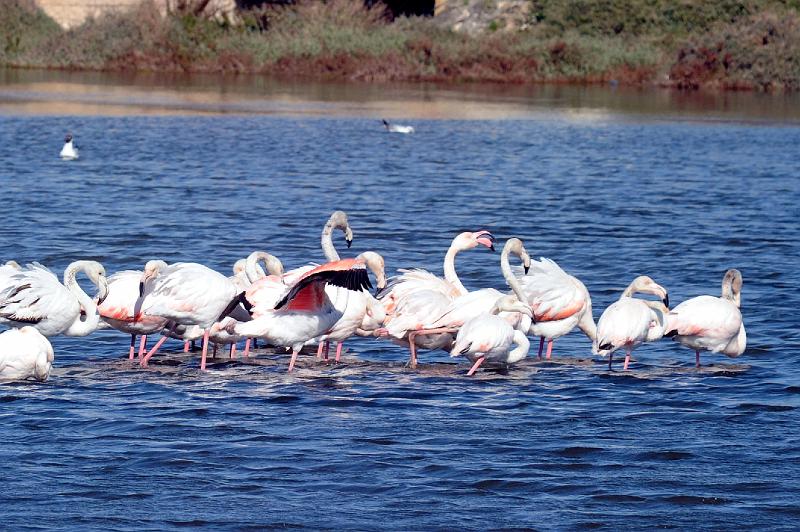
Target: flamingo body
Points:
(25, 354)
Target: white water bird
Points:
(25, 354)
(69, 152)
(488, 337)
(35, 297)
(708, 323)
(397, 128)
(629, 322)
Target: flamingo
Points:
(560, 302)
(360, 310)
(487, 336)
(24, 354)
(122, 308)
(35, 297)
(629, 322)
(417, 295)
(187, 293)
(68, 152)
(708, 323)
(305, 311)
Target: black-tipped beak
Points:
(491, 248)
(525, 269)
(349, 242)
(141, 289)
(379, 291)
(666, 300)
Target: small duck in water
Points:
(396, 128)
(68, 152)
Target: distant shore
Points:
(748, 45)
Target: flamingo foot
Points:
(541, 347)
(133, 347)
(295, 352)
(142, 345)
(381, 332)
(549, 349)
(233, 350)
(627, 360)
(186, 346)
(319, 351)
(327, 348)
(610, 358)
(475, 366)
(153, 351)
(247, 348)
(697, 359)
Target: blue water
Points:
(371, 444)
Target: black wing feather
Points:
(355, 279)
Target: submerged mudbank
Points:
(751, 45)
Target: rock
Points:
(476, 16)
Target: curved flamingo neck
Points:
(450, 274)
(523, 346)
(508, 275)
(729, 294)
(252, 271)
(586, 323)
(327, 240)
(80, 327)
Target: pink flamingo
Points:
(708, 323)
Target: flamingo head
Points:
(150, 272)
(238, 267)
(732, 286)
(338, 220)
(13, 264)
(469, 240)
(68, 137)
(514, 245)
(645, 285)
(511, 303)
(97, 274)
(376, 264)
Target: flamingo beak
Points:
(526, 267)
(486, 238)
(349, 242)
(665, 300)
(141, 288)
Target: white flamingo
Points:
(69, 152)
(416, 296)
(708, 323)
(488, 337)
(35, 297)
(25, 354)
(397, 128)
(560, 302)
(306, 311)
(629, 322)
(7, 271)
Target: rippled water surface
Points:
(370, 443)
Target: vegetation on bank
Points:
(736, 44)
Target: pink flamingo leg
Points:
(549, 348)
(697, 359)
(205, 350)
(133, 347)
(338, 351)
(153, 351)
(294, 358)
(541, 346)
(412, 361)
(247, 348)
(319, 351)
(186, 346)
(475, 366)
(627, 359)
(233, 350)
(142, 345)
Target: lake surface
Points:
(646, 185)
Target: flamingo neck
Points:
(521, 351)
(509, 276)
(450, 274)
(586, 324)
(327, 241)
(81, 326)
(254, 272)
(729, 294)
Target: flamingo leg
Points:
(255, 343)
(247, 348)
(541, 346)
(133, 347)
(549, 348)
(327, 348)
(186, 346)
(142, 345)
(214, 354)
(475, 366)
(697, 359)
(233, 350)
(160, 342)
(412, 361)
(627, 359)
(319, 351)
(338, 351)
(205, 350)
(610, 358)
(295, 352)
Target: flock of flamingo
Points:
(319, 304)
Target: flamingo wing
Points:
(308, 292)
(34, 294)
(625, 322)
(705, 316)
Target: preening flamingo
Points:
(306, 311)
(188, 293)
(397, 128)
(629, 322)
(417, 296)
(68, 152)
(35, 297)
(708, 323)
(25, 354)
(488, 337)
(560, 302)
